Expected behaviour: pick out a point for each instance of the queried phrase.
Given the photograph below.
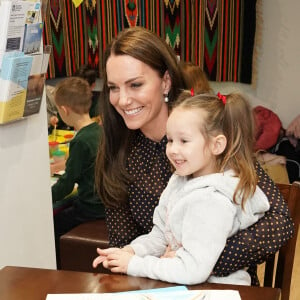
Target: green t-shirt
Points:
(80, 169)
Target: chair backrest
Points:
(278, 270)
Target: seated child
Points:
(54, 119)
(194, 78)
(73, 100)
(211, 196)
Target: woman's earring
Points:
(166, 98)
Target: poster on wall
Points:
(23, 61)
(13, 81)
(36, 82)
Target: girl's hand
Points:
(128, 249)
(102, 256)
(118, 261)
(104, 253)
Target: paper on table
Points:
(130, 295)
(144, 295)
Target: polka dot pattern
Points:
(148, 165)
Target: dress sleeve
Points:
(155, 242)
(253, 245)
(122, 228)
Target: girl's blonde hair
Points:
(232, 116)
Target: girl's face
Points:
(187, 149)
(136, 92)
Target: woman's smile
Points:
(133, 111)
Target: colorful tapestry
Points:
(172, 24)
(218, 35)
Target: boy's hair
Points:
(194, 77)
(75, 93)
(233, 119)
(86, 72)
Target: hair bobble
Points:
(222, 97)
(192, 92)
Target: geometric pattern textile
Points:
(172, 24)
(218, 35)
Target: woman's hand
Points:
(169, 253)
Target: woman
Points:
(141, 80)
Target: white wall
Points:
(278, 65)
(26, 218)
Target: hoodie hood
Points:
(226, 183)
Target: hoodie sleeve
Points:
(207, 221)
(154, 243)
(254, 209)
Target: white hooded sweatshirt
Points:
(195, 217)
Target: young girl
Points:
(212, 194)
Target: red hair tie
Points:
(222, 97)
(192, 92)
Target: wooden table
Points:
(19, 283)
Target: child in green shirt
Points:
(73, 98)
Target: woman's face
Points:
(137, 93)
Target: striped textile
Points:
(218, 35)
(172, 24)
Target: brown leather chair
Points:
(78, 246)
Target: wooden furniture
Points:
(28, 283)
(278, 271)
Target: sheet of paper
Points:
(154, 295)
